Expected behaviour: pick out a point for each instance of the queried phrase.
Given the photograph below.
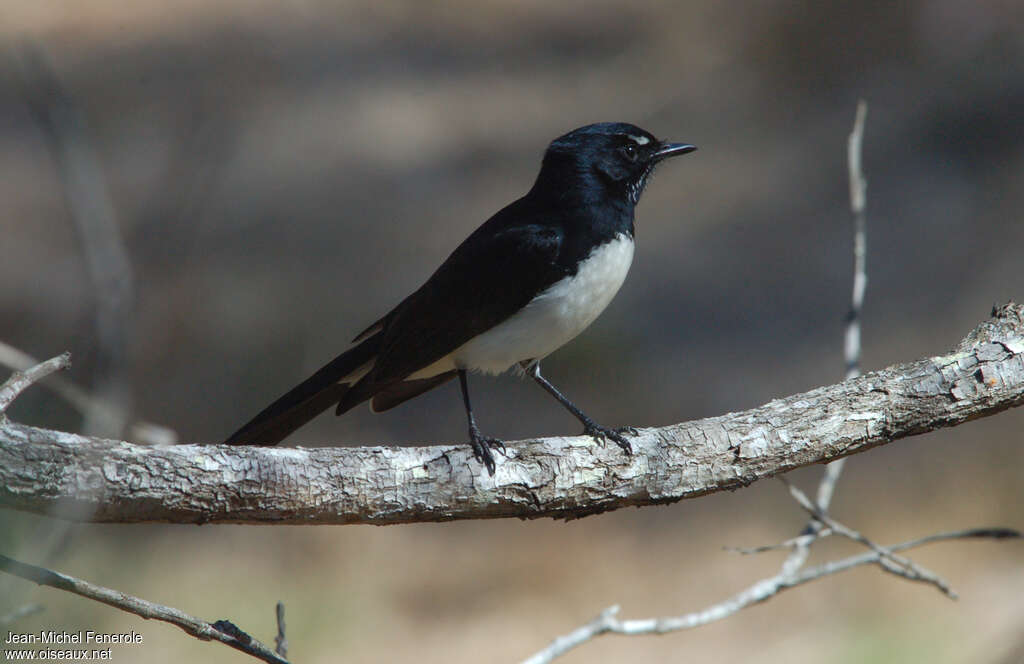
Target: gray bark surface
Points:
(71, 476)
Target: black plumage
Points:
(583, 199)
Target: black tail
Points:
(307, 400)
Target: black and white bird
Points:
(522, 285)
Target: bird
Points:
(523, 284)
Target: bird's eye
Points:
(629, 152)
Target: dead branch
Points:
(222, 630)
(887, 560)
(43, 471)
(149, 433)
(608, 622)
(22, 380)
(851, 337)
(280, 641)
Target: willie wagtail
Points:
(528, 280)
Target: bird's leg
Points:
(590, 427)
(481, 445)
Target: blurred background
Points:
(277, 175)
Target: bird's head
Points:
(609, 159)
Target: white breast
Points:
(550, 320)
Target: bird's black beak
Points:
(672, 150)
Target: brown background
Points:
(283, 173)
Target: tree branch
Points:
(280, 641)
(851, 338)
(149, 433)
(222, 630)
(42, 471)
(607, 622)
(889, 561)
(22, 380)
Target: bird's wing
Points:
(491, 276)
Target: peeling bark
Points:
(75, 477)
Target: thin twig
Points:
(607, 622)
(812, 573)
(851, 347)
(280, 642)
(222, 631)
(21, 380)
(858, 204)
(142, 431)
(889, 561)
(18, 360)
(852, 343)
(827, 485)
(798, 541)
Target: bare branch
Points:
(602, 624)
(280, 641)
(222, 630)
(21, 380)
(858, 204)
(764, 589)
(145, 432)
(888, 560)
(792, 543)
(813, 573)
(41, 470)
(17, 360)
(851, 343)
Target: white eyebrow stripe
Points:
(639, 140)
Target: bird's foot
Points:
(482, 447)
(600, 434)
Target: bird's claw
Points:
(600, 434)
(482, 447)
